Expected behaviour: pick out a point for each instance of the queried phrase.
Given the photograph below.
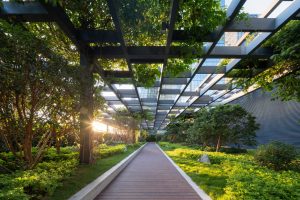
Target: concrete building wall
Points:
(278, 120)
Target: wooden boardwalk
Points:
(150, 176)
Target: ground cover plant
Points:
(56, 171)
(234, 176)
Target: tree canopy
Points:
(283, 77)
(221, 125)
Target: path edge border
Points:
(199, 191)
(94, 188)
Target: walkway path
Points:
(150, 176)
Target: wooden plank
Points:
(149, 176)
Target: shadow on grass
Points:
(209, 177)
(212, 185)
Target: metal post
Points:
(86, 109)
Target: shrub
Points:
(36, 183)
(209, 148)
(151, 138)
(135, 145)
(9, 161)
(104, 151)
(66, 153)
(275, 155)
(232, 150)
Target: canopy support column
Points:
(86, 109)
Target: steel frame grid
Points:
(42, 12)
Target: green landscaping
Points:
(58, 176)
(235, 176)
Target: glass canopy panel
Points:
(108, 94)
(212, 62)
(195, 65)
(119, 106)
(283, 5)
(221, 42)
(129, 99)
(149, 104)
(236, 90)
(253, 10)
(192, 99)
(148, 92)
(180, 87)
(151, 109)
(196, 82)
(211, 92)
(224, 81)
(183, 99)
(232, 38)
(168, 96)
(123, 86)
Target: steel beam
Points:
(158, 52)
(231, 13)
(174, 81)
(98, 36)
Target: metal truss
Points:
(170, 96)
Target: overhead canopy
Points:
(205, 84)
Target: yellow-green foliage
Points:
(234, 176)
(46, 176)
(104, 150)
(36, 183)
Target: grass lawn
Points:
(85, 174)
(234, 176)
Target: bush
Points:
(209, 148)
(232, 150)
(275, 155)
(66, 153)
(47, 175)
(36, 183)
(11, 162)
(135, 145)
(151, 138)
(104, 151)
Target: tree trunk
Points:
(133, 136)
(27, 146)
(86, 110)
(56, 140)
(41, 150)
(218, 144)
(57, 145)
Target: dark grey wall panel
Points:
(278, 120)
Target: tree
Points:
(286, 45)
(38, 93)
(201, 131)
(176, 130)
(224, 124)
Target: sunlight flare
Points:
(99, 127)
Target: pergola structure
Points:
(204, 85)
